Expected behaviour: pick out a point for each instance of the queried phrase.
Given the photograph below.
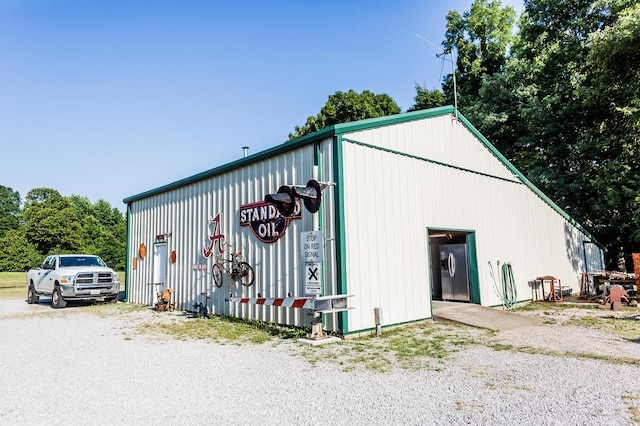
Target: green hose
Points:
(508, 294)
(509, 289)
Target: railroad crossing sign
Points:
(312, 283)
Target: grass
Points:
(554, 307)
(626, 327)
(425, 345)
(12, 279)
(581, 355)
(13, 285)
(596, 317)
(13, 292)
(19, 279)
(633, 402)
(222, 329)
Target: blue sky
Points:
(108, 99)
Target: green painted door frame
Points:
(474, 277)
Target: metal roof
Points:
(295, 143)
(343, 128)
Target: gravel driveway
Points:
(78, 366)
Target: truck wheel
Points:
(32, 296)
(56, 299)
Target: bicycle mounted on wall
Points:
(238, 270)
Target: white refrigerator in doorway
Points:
(454, 272)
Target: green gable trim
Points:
(389, 120)
(372, 123)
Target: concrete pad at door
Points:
(481, 316)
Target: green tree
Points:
(109, 216)
(104, 230)
(81, 205)
(92, 232)
(479, 39)
(563, 110)
(9, 209)
(568, 142)
(111, 249)
(51, 223)
(614, 91)
(346, 107)
(16, 253)
(426, 99)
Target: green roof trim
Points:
(372, 123)
(328, 132)
(221, 169)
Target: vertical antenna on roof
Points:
(442, 54)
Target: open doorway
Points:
(453, 266)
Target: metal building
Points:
(417, 207)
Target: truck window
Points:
(49, 263)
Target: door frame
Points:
(159, 272)
(474, 277)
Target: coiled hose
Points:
(508, 293)
(509, 289)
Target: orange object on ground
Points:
(616, 295)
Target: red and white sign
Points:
(265, 221)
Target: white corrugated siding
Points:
(185, 214)
(392, 199)
(397, 182)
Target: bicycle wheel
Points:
(216, 271)
(246, 274)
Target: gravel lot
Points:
(83, 365)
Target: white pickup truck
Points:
(70, 277)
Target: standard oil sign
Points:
(311, 244)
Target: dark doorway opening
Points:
(450, 265)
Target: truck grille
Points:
(94, 278)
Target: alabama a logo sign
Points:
(215, 238)
(265, 221)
